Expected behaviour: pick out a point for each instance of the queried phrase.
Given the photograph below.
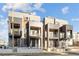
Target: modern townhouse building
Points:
(15, 29)
(51, 33)
(56, 32)
(66, 35)
(35, 33)
(25, 30)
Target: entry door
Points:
(55, 43)
(51, 44)
(33, 43)
(15, 42)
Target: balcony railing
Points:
(62, 35)
(68, 36)
(35, 24)
(15, 31)
(35, 33)
(53, 36)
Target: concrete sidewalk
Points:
(56, 51)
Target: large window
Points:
(62, 35)
(34, 32)
(68, 34)
(51, 34)
(55, 33)
(15, 25)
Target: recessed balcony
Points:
(15, 32)
(35, 33)
(53, 36)
(69, 27)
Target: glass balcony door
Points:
(53, 43)
(53, 34)
(34, 43)
(35, 32)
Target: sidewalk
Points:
(56, 51)
(74, 49)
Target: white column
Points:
(35, 43)
(31, 43)
(48, 42)
(39, 38)
(20, 42)
(39, 43)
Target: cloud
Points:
(1, 16)
(25, 7)
(38, 6)
(65, 10)
(75, 19)
(3, 21)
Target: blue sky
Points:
(69, 12)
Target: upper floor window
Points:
(15, 25)
(27, 18)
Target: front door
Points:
(55, 43)
(34, 43)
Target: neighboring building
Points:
(26, 30)
(56, 32)
(51, 33)
(2, 43)
(66, 34)
(16, 29)
(76, 38)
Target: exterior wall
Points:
(49, 20)
(62, 22)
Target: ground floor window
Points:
(34, 43)
(54, 43)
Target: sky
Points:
(65, 11)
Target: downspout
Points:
(54, 21)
